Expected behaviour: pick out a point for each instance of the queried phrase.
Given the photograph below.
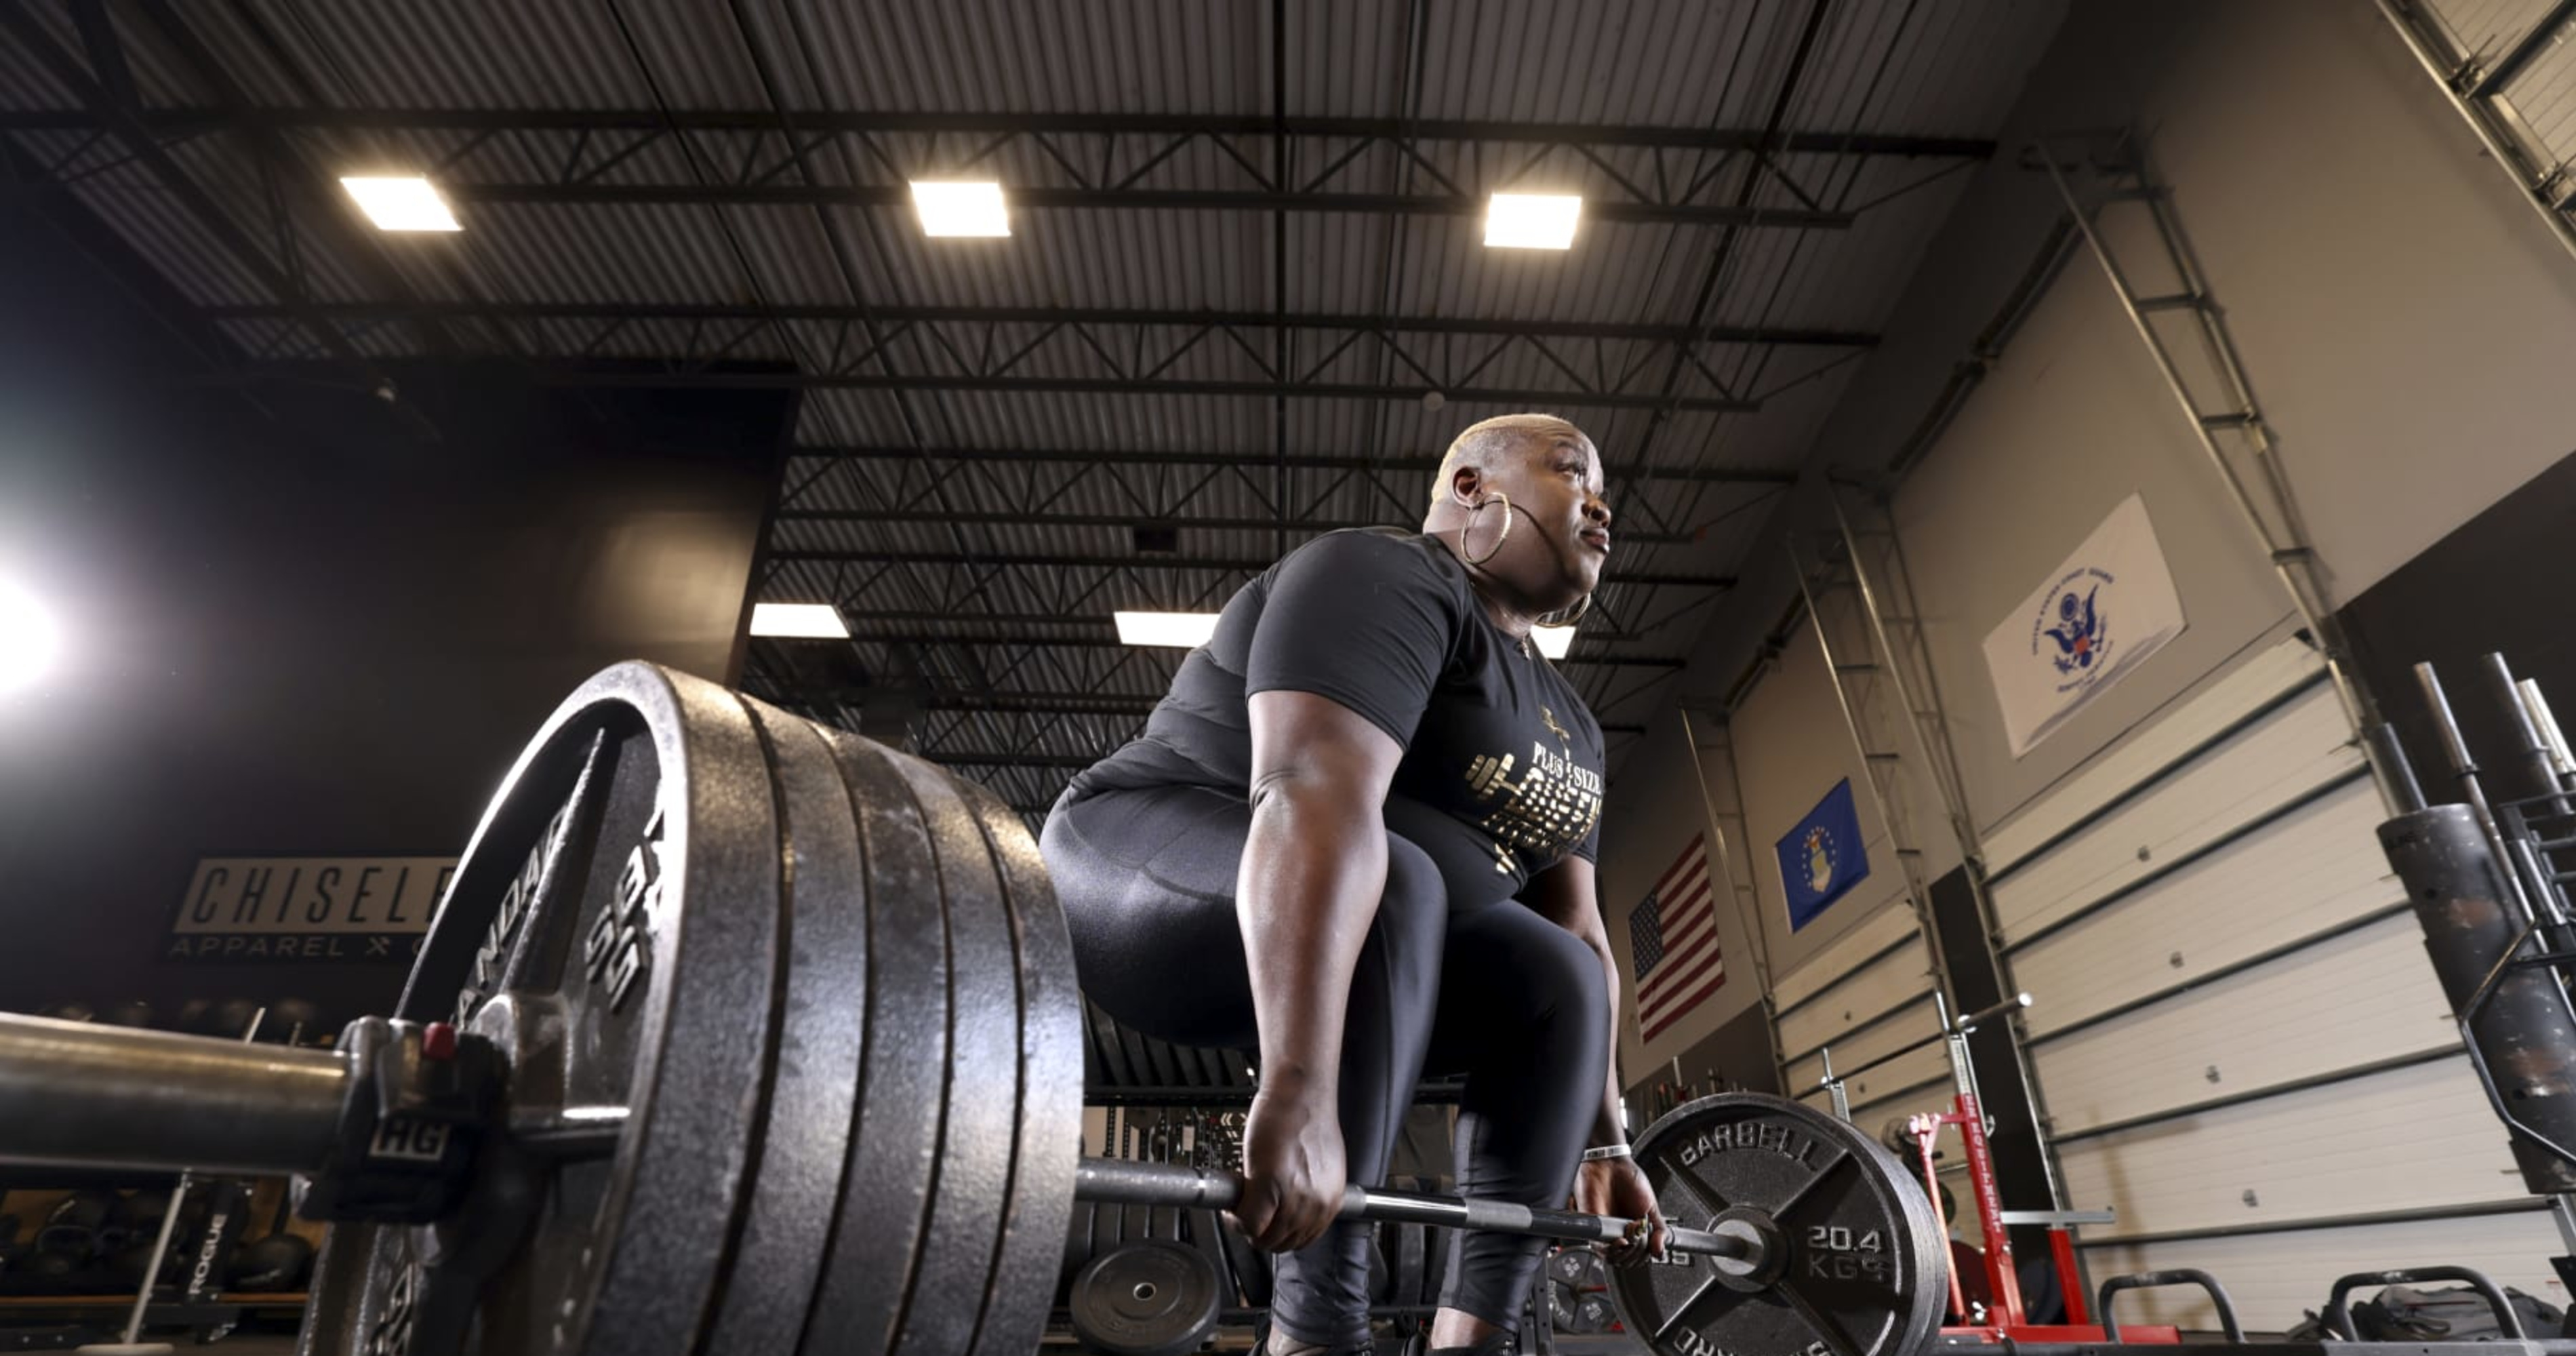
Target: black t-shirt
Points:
(1501, 774)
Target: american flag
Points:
(1674, 934)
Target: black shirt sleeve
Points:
(1366, 619)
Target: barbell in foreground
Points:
(736, 1033)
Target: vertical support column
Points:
(2025, 1174)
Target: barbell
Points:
(736, 1033)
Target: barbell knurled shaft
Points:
(1124, 1182)
(125, 1098)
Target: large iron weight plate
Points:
(1858, 1264)
(774, 1262)
(873, 1257)
(613, 927)
(971, 1182)
(1049, 1130)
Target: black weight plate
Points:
(1565, 1265)
(1250, 1266)
(1160, 1057)
(1411, 1248)
(1106, 1223)
(1049, 1106)
(1207, 1234)
(953, 1281)
(1593, 1313)
(1108, 1066)
(621, 896)
(1154, 1298)
(1437, 1245)
(886, 1191)
(775, 1260)
(1560, 1303)
(1858, 1266)
(1077, 1244)
(1134, 1060)
(1591, 1271)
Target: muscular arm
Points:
(1313, 870)
(1566, 895)
(1312, 874)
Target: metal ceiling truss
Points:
(1223, 360)
(1114, 161)
(1076, 317)
(1294, 502)
(1219, 565)
(1027, 706)
(1299, 496)
(1420, 468)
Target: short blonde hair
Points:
(1479, 443)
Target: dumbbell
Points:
(230, 1019)
(132, 1012)
(74, 1225)
(274, 1264)
(293, 1021)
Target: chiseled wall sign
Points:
(308, 908)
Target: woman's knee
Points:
(1565, 978)
(1413, 912)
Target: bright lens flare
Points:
(29, 641)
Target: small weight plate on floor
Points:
(613, 929)
(1151, 1298)
(1856, 1266)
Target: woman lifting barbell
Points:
(1358, 834)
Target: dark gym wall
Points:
(313, 634)
(2490, 586)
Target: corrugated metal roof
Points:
(597, 279)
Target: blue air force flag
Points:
(1821, 857)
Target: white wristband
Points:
(1605, 1151)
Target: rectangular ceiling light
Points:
(960, 208)
(808, 621)
(1531, 221)
(1187, 630)
(408, 203)
(1553, 641)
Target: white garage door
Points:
(2238, 1041)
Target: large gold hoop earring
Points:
(1568, 616)
(1504, 536)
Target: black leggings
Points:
(1490, 989)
